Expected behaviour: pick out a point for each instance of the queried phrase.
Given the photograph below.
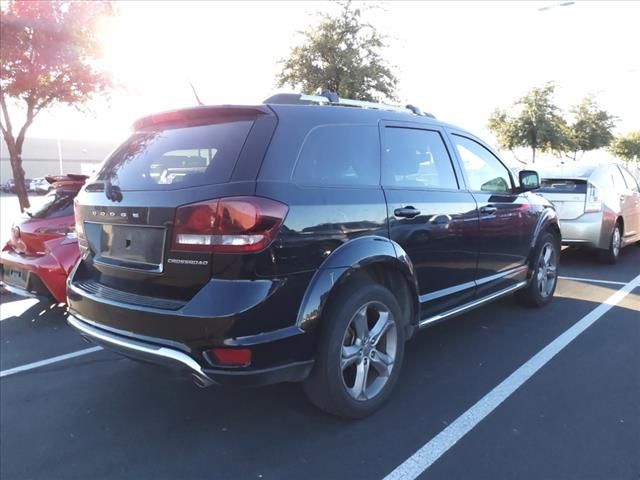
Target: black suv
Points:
(301, 241)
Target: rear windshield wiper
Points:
(95, 187)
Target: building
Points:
(47, 156)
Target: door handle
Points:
(488, 209)
(406, 212)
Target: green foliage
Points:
(591, 128)
(341, 53)
(627, 146)
(49, 50)
(534, 122)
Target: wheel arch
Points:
(362, 259)
(548, 222)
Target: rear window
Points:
(559, 185)
(172, 158)
(58, 203)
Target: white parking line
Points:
(16, 307)
(48, 361)
(417, 463)
(593, 280)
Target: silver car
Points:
(598, 206)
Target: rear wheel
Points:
(542, 284)
(360, 353)
(612, 254)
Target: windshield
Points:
(171, 158)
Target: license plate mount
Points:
(16, 277)
(131, 246)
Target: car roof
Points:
(340, 113)
(331, 113)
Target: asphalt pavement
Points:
(576, 415)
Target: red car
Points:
(43, 247)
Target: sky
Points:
(457, 60)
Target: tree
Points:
(48, 56)
(343, 54)
(590, 130)
(627, 146)
(535, 122)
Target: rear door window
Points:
(171, 158)
(416, 158)
(339, 155)
(617, 179)
(629, 179)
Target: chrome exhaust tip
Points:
(202, 382)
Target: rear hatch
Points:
(175, 165)
(568, 196)
(49, 219)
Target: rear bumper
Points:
(588, 230)
(45, 278)
(157, 353)
(258, 315)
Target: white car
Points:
(598, 206)
(40, 186)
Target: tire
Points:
(345, 337)
(612, 254)
(544, 279)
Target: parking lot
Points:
(502, 392)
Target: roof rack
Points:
(330, 98)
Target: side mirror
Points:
(529, 180)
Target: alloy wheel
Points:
(368, 352)
(547, 270)
(616, 241)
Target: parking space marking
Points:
(15, 308)
(48, 361)
(593, 280)
(429, 453)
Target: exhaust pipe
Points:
(202, 382)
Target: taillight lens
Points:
(593, 202)
(79, 229)
(58, 230)
(78, 219)
(231, 225)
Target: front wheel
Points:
(360, 353)
(542, 285)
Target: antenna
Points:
(195, 93)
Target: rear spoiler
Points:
(69, 177)
(200, 115)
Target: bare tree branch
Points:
(5, 113)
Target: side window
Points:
(485, 172)
(631, 182)
(416, 158)
(617, 179)
(336, 155)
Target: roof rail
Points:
(298, 99)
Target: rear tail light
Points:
(79, 228)
(593, 202)
(58, 230)
(230, 225)
(78, 219)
